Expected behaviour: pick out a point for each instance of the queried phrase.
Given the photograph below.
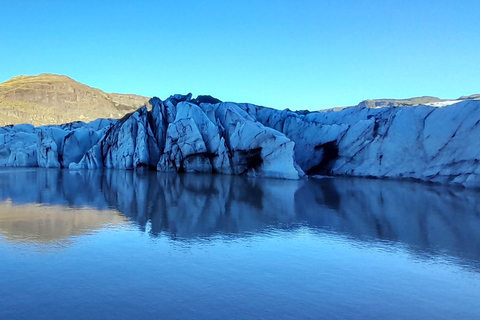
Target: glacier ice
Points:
(436, 142)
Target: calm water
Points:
(125, 245)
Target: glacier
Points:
(437, 142)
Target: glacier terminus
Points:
(436, 142)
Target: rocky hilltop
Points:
(56, 99)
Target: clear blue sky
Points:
(297, 54)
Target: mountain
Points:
(56, 99)
(376, 103)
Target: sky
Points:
(283, 54)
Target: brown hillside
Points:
(55, 99)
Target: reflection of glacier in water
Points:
(425, 218)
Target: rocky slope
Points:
(438, 141)
(55, 99)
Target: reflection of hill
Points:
(46, 224)
(426, 218)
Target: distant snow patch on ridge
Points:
(441, 104)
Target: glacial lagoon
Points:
(105, 244)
